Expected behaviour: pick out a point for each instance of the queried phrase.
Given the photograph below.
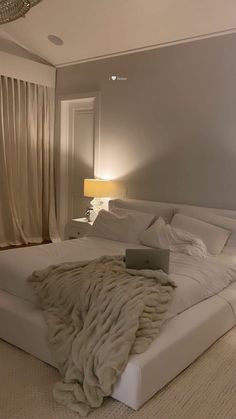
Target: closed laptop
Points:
(148, 259)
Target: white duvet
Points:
(196, 278)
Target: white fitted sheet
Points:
(181, 341)
(17, 264)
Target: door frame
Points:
(63, 121)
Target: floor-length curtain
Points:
(27, 193)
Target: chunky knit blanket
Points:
(98, 313)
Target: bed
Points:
(182, 339)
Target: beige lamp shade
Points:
(99, 188)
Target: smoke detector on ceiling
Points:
(55, 40)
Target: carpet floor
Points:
(205, 390)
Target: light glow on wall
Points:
(118, 159)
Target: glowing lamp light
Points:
(101, 190)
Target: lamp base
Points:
(97, 205)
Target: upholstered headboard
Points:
(167, 208)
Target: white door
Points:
(78, 130)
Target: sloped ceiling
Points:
(98, 28)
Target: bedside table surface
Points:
(81, 220)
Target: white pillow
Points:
(150, 237)
(213, 237)
(215, 219)
(125, 226)
(164, 236)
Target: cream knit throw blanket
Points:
(98, 314)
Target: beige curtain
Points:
(27, 193)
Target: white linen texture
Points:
(164, 236)
(213, 237)
(124, 226)
(197, 278)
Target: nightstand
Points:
(77, 227)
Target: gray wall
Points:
(170, 130)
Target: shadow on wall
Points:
(196, 173)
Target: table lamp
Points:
(101, 190)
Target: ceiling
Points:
(99, 28)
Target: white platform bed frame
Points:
(182, 338)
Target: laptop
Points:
(147, 259)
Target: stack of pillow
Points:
(121, 224)
(130, 226)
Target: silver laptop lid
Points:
(148, 259)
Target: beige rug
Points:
(207, 389)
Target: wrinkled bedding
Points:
(165, 236)
(196, 278)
